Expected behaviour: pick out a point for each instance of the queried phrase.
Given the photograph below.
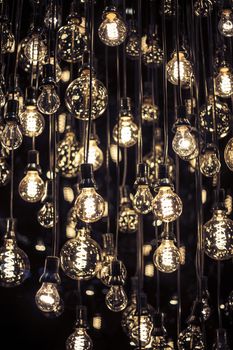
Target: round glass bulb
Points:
(152, 54)
(79, 340)
(5, 172)
(31, 187)
(209, 163)
(128, 219)
(35, 50)
(89, 205)
(185, 71)
(132, 47)
(32, 122)
(45, 215)
(224, 82)
(116, 299)
(68, 158)
(48, 101)
(191, 338)
(167, 256)
(11, 137)
(14, 264)
(228, 154)
(160, 343)
(77, 96)
(183, 143)
(7, 39)
(203, 8)
(95, 155)
(47, 298)
(150, 112)
(112, 31)
(218, 239)
(105, 272)
(142, 330)
(80, 256)
(142, 201)
(128, 132)
(225, 25)
(167, 205)
(127, 321)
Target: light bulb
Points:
(167, 205)
(183, 143)
(45, 215)
(142, 201)
(14, 263)
(77, 96)
(32, 122)
(224, 82)
(89, 205)
(222, 116)
(68, 159)
(112, 31)
(35, 49)
(228, 154)
(142, 330)
(105, 272)
(47, 298)
(150, 112)
(7, 38)
(218, 239)
(116, 299)
(80, 256)
(184, 70)
(79, 340)
(225, 25)
(48, 101)
(5, 172)
(191, 338)
(209, 162)
(167, 256)
(151, 51)
(11, 137)
(132, 47)
(72, 41)
(203, 8)
(128, 219)
(31, 187)
(95, 154)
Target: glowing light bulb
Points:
(152, 54)
(7, 37)
(184, 70)
(112, 31)
(32, 122)
(79, 340)
(228, 154)
(218, 238)
(45, 215)
(167, 256)
(80, 256)
(11, 137)
(225, 25)
(183, 143)
(48, 101)
(224, 82)
(77, 96)
(14, 263)
(35, 50)
(5, 172)
(167, 205)
(191, 338)
(47, 298)
(150, 112)
(132, 47)
(114, 153)
(142, 330)
(68, 159)
(116, 299)
(95, 154)
(209, 162)
(89, 205)
(142, 201)
(31, 187)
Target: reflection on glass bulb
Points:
(151, 51)
(128, 132)
(89, 205)
(80, 256)
(48, 101)
(112, 31)
(224, 82)
(79, 340)
(203, 8)
(78, 96)
(132, 47)
(191, 338)
(183, 143)
(116, 299)
(35, 50)
(14, 264)
(228, 154)
(142, 201)
(95, 155)
(32, 122)
(225, 25)
(45, 215)
(5, 173)
(7, 38)
(209, 163)
(31, 187)
(11, 137)
(142, 330)
(206, 310)
(150, 112)
(218, 237)
(47, 298)
(167, 256)
(184, 71)
(167, 205)
(127, 321)
(105, 272)
(128, 219)
(68, 159)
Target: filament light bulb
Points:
(112, 31)
(191, 338)
(142, 330)
(5, 172)
(95, 154)
(209, 162)
(225, 25)
(47, 298)
(183, 70)
(79, 340)
(151, 51)
(35, 50)
(143, 198)
(45, 215)
(31, 187)
(80, 256)
(89, 205)
(48, 101)
(116, 299)
(167, 205)
(224, 82)
(11, 137)
(32, 122)
(167, 256)
(183, 143)
(228, 154)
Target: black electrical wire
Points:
(165, 98)
(108, 140)
(118, 151)
(140, 143)
(179, 93)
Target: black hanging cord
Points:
(108, 140)
(219, 293)
(179, 93)
(165, 99)
(140, 143)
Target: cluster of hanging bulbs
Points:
(86, 98)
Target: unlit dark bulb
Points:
(209, 163)
(68, 159)
(142, 201)
(116, 298)
(128, 219)
(11, 137)
(48, 101)
(191, 338)
(45, 215)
